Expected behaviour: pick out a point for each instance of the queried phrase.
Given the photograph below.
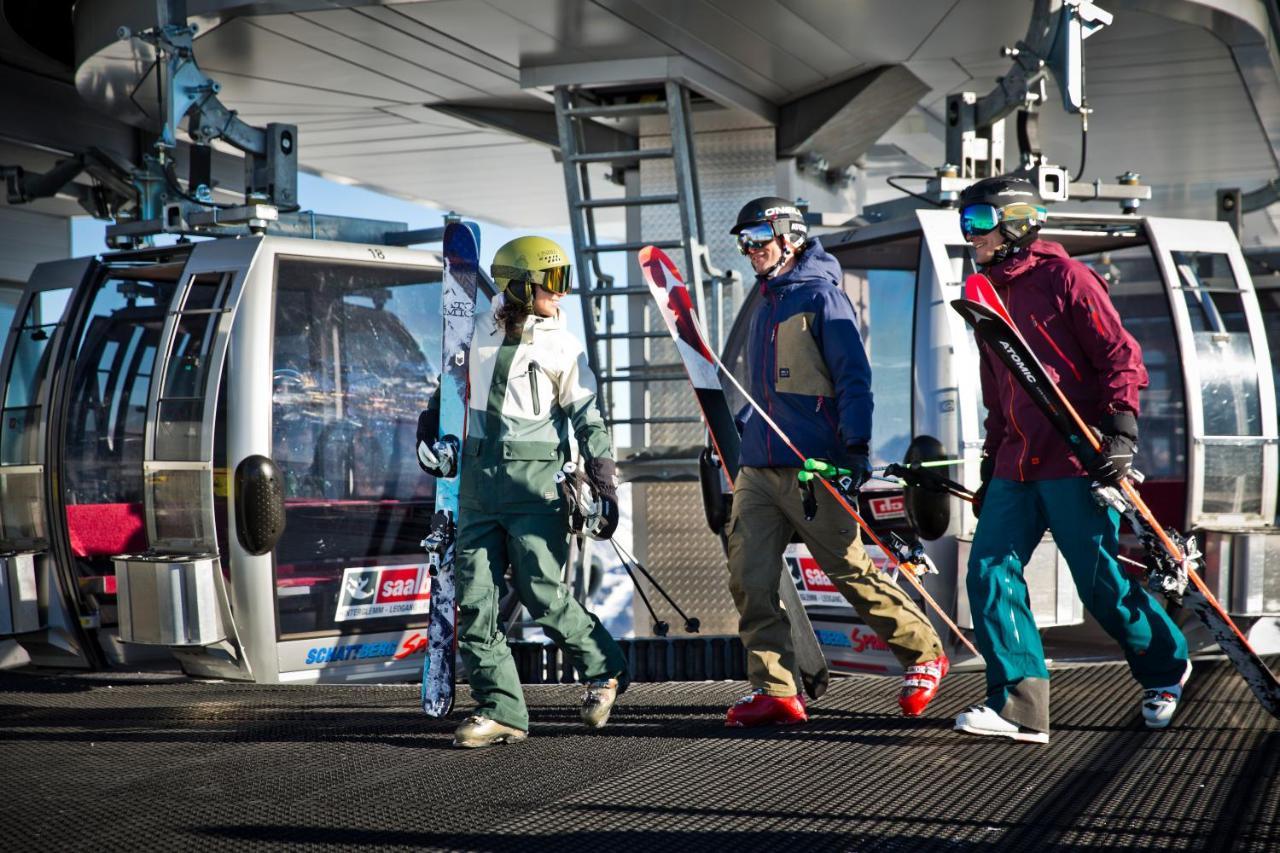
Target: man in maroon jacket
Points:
(1031, 481)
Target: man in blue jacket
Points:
(809, 371)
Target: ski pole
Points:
(911, 476)
(691, 624)
(934, 463)
(871, 534)
(660, 627)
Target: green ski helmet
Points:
(528, 261)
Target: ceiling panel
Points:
(399, 36)
(753, 56)
(535, 31)
(248, 48)
(407, 79)
(810, 45)
(876, 31)
(978, 27)
(254, 94)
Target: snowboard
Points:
(457, 311)
(1171, 558)
(672, 297)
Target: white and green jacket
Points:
(530, 402)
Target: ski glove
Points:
(986, 471)
(603, 474)
(608, 523)
(1119, 439)
(859, 463)
(439, 458)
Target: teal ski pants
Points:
(536, 546)
(1014, 518)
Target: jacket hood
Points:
(1034, 255)
(813, 263)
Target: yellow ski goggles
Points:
(555, 279)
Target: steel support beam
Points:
(842, 122)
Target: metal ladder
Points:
(596, 289)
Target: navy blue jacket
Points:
(807, 367)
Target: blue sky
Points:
(330, 197)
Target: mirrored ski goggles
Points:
(985, 218)
(755, 236)
(555, 279)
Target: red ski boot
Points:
(758, 708)
(920, 685)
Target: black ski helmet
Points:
(1020, 211)
(786, 218)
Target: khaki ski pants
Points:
(766, 510)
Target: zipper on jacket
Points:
(533, 387)
(1045, 334)
(826, 413)
(1013, 420)
(766, 376)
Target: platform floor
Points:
(146, 762)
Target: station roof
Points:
(447, 102)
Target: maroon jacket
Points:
(1062, 309)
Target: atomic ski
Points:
(457, 309)
(1171, 558)
(672, 298)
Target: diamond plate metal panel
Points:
(684, 556)
(734, 164)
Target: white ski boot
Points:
(1159, 703)
(981, 720)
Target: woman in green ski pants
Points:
(532, 396)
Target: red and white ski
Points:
(672, 297)
(686, 329)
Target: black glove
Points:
(986, 470)
(603, 474)
(1119, 438)
(438, 457)
(858, 461)
(608, 523)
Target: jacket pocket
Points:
(529, 472)
(533, 388)
(800, 366)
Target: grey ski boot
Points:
(479, 731)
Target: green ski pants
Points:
(767, 510)
(536, 547)
(1014, 518)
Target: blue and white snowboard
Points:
(457, 308)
